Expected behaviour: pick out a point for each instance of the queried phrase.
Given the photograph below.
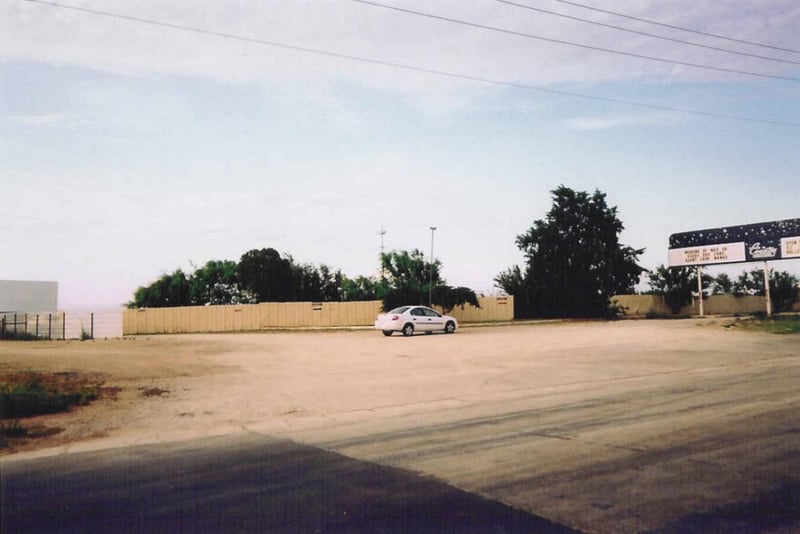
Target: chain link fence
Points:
(61, 325)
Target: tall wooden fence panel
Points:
(492, 309)
(275, 315)
(643, 305)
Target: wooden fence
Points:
(643, 305)
(276, 315)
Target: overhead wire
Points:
(646, 34)
(414, 68)
(675, 27)
(573, 44)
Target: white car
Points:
(410, 319)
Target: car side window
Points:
(431, 313)
(417, 311)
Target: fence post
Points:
(26, 324)
(91, 332)
(50, 326)
(63, 326)
(15, 325)
(37, 326)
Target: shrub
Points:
(11, 430)
(17, 336)
(29, 393)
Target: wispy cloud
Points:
(607, 123)
(42, 119)
(138, 48)
(72, 121)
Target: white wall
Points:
(28, 297)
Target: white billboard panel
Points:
(773, 240)
(707, 254)
(28, 296)
(790, 247)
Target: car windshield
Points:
(400, 310)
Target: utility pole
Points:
(430, 281)
(382, 233)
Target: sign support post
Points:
(766, 289)
(700, 287)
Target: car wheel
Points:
(388, 333)
(408, 330)
(450, 327)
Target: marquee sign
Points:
(773, 240)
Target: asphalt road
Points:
(246, 483)
(621, 427)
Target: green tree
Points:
(749, 283)
(408, 278)
(513, 282)
(168, 291)
(217, 282)
(783, 291)
(722, 285)
(676, 284)
(404, 296)
(575, 262)
(317, 284)
(267, 275)
(406, 270)
(447, 297)
(782, 287)
(361, 288)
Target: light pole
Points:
(430, 280)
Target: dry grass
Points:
(29, 393)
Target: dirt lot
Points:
(608, 427)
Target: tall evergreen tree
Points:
(575, 262)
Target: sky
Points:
(159, 135)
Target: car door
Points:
(421, 320)
(435, 321)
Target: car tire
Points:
(388, 333)
(450, 327)
(408, 330)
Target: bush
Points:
(404, 297)
(11, 430)
(17, 336)
(28, 394)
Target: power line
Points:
(424, 70)
(570, 43)
(645, 34)
(674, 27)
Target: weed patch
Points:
(782, 324)
(18, 336)
(30, 393)
(153, 392)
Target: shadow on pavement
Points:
(776, 510)
(246, 483)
